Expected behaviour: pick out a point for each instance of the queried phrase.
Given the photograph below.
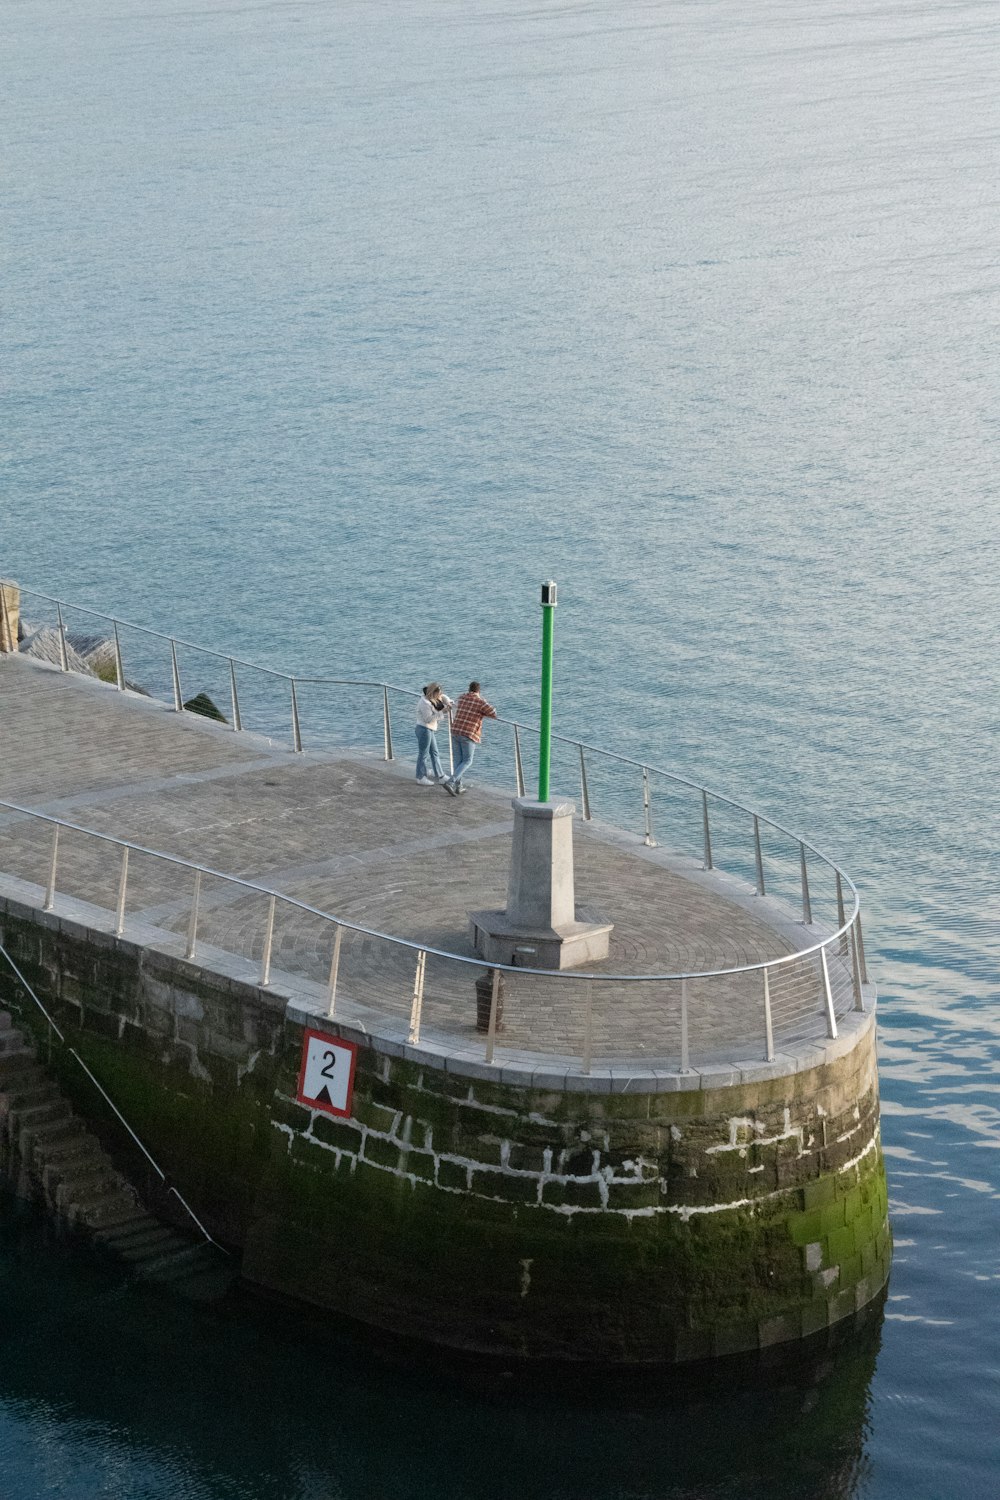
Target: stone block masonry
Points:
(618, 1227)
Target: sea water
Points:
(333, 327)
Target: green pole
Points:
(545, 723)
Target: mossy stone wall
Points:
(610, 1227)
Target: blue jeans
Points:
(427, 749)
(464, 751)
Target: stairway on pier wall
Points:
(50, 1156)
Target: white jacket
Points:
(428, 714)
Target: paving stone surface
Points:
(347, 834)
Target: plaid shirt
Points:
(470, 711)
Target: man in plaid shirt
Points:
(466, 733)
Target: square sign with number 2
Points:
(326, 1078)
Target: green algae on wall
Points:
(552, 1224)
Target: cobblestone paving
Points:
(350, 835)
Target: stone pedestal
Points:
(542, 927)
(10, 608)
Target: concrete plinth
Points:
(541, 927)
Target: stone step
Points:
(115, 1208)
(80, 1182)
(55, 1175)
(76, 1150)
(79, 1189)
(146, 1248)
(44, 1122)
(34, 1135)
(19, 1083)
(30, 1091)
(179, 1261)
(13, 1064)
(120, 1234)
(200, 1273)
(51, 1112)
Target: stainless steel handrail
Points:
(516, 724)
(128, 847)
(847, 936)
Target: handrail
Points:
(417, 947)
(110, 1103)
(517, 724)
(845, 941)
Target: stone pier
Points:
(641, 1212)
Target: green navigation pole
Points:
(545, 723)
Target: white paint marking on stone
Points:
(684, 1212)
(740, 1129)
(241, 1072)
(525, 1277)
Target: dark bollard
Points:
(484, 999)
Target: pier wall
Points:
(702, 1220)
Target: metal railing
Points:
(824, 979)
(798, 994)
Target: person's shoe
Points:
(425, 781)
(452, 791)
(460, 790)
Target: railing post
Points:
(122, 885)
(807, 914)
(296, 730)
(178, 700)
(841, 914)
(416, 1009)
(331, 984)
(768, 1026)
(491, 1033)
(685, 1051)
(649, 840)
(758, 856)
(861, 948)
(8, 641)
(387, 725)
(119, 664)
(706, 832)
(518, 763)
(63, 656)
(193, 923)
(237, 721)
(265, 967)
(831, 1019)
(584, 790)
(859, 999)
(50, 889)
(451, 747)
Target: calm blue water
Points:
(332, 328)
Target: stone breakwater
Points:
(718, 1215)
(644, 1213)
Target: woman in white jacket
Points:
(432, 705)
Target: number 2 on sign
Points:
(326, 1077)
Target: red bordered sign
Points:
(326, 1078)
